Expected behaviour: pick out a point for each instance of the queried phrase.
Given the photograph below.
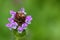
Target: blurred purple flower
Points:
(19, 20)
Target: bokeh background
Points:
(46, 18)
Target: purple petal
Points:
(9, 25)
(14, 25)
(12, 12)
(24, 25)
(20, 29)
(28, 19)
(28, 22)
(22, 10)
(13, 16)
(11, 20)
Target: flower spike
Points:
(19, 20)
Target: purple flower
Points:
(20, 29)
(28, 19)
(24, 25)
(19, 20)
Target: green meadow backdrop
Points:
(45, 13)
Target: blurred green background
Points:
(46, 18)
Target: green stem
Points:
(25, 35)
(19, 36)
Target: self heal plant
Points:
(18, 22)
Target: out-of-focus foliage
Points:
(46, 18)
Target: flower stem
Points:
(25, 35)
(19, 36)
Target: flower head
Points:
(19, 20)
